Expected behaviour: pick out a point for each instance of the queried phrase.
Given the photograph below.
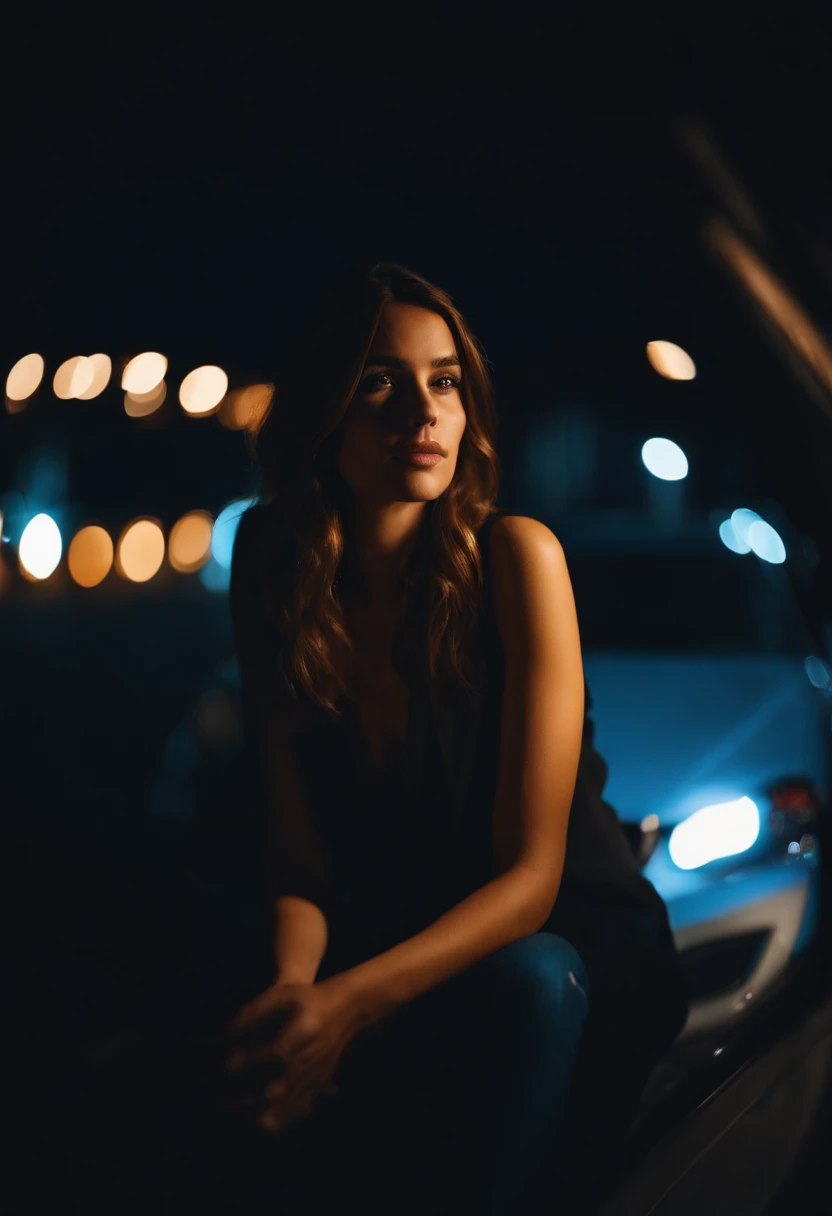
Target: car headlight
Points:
(721, 830)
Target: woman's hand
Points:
(291, 1039)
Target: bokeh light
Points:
(782, 308)
(40, 546)
(244, 407)
(25, 377)
(670, 361)
(102, 370)
(140, 551)
(144, 372)
(203, 389)
(215, 577)
(766, 542)
(741, 521)
(715, 831)
(730, 539)
(140, 405)
(189, 544)
(225, 530)
(664, 459)
(73, 377)
(817, 671)
(90, 555)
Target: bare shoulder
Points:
(520, 543)
(531, 585)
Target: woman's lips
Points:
(421, 459)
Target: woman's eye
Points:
(372, 382)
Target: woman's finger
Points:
(276, 1118)
(265, 1057)
(254, 1018)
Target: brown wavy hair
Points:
(295, 446)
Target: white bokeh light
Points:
(24, 377)
(102, 370)
(74, 377)
(144, 373)
(203, 389)
(40, 546)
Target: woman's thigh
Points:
(506, 1004)
(470, 1077)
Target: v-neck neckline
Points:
(366, 765)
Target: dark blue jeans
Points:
(448, 1106)
(452, 1104)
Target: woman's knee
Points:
(546, 974)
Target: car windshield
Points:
(702, 602)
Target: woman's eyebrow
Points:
(394, 361)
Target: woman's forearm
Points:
(507, 908)
(300, 939)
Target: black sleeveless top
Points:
(405, 846)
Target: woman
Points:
(414, 699)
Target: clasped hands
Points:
(285, 1048)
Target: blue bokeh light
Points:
(730, 539)
(766, 542)
(225, 530)
(741, 521)
(664, 459)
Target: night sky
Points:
(186, 181)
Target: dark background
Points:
(184, 182)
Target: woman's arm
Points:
(300, 938)
(299, 876)
(540, 740)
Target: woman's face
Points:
(406, 395)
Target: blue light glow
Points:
(225, 529)
(664, 459)
(213, 576)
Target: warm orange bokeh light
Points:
(73, 377)
(144, 373)
(244, 407)
(202, 390)
(783, 309)
(90, 555)
(671, 361)
(141, 550)
(25, 377)
(139, 405)
(102, 370)
(189, 544)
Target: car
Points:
(712, 710)
(712, 702)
